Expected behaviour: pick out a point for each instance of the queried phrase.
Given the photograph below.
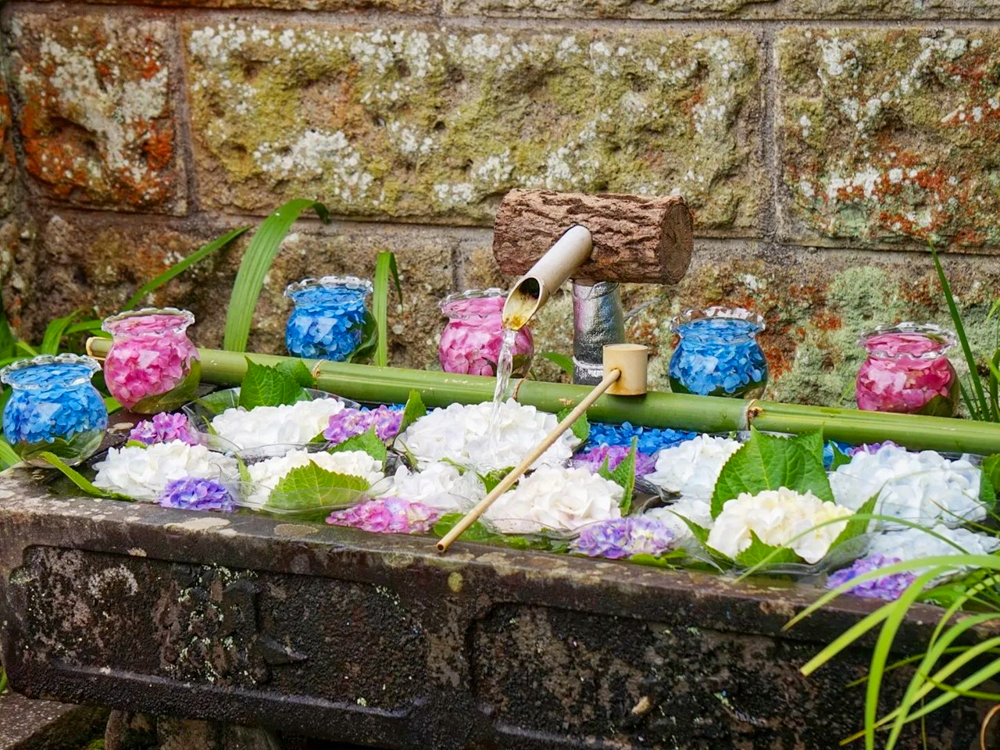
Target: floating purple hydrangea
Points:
(163, 428)
(623, 537)
(193, 493)
(869, 448)
(387, 515)
(348, 423)
(593, 459)
(888, 587)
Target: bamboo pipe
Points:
(673, 410)
(508, 481)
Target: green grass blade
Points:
(8, 457)
(182, 266)
(55, 331)
(385, 266)
(3, 681)
(256, 263)
(7, 348)
(994, 387)
(956, 317)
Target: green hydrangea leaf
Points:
(758, 552)
(492, 478)
(269, 386)
(624, 476)
(368, 442)
(766, 462)
(296, 369)
(857, 525)
(580, 428)
(313, 490)
(413, 410)
(839, 459)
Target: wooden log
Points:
(636, 238)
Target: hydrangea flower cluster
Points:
(265, 475)
(144, 473)
(624, 537)
(557, 499)
(888, 587)
(348, 423)
(649, 439)
(328, 317)
(916, 544)
(594, 459)
(387, 515)
(692, 468)
(471, 342)
(52, 398)
(461, 433)
(151, 354)
(439, 485)
(291, 424)
(906, 369)
(163, 428)
(776, 517)
(696, 510)
(718, 355)
(922, 487)
(193, 493)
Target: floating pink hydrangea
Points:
(151, 354)
(163, 428)
(906, 369)
(387, 515)
(470, 343)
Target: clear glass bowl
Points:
(329, 318)
(718, 354)
(472, 339)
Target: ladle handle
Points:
(508, 481)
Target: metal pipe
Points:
(598, 320)
(550, 271)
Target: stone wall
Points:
(820, 143)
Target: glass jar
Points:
(330, 317)
(718, 353)
(54, 407)
(152, 365)
(471, 341)
(907, 370)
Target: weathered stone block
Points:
(7, 159)
(101, 262)
(413, 124)
(96, 112)
(384, 6)
(890, 135)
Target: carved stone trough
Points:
(338, 634)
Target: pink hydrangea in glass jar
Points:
(907, 370)
(152, 365)
(470, 343)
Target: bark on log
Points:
(636, 238)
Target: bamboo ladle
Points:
(624, 375)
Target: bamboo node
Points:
(88, 347)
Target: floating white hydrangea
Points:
(915, 544)
(777, 517)
(921, 487)
(265, 475)
(694, 509)
(439, 485)
(296, 423)
(143, 472)
(693, 467)
(556, 498)
(461, 433)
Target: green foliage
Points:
(991, 477)
(269, 386)
(78, 479)
(413, 410)
(766, 462)
(297, 371)
(3, 680)
(384, 267)
(368, 442)
(839, 458)
(257, 260)
(492, 478)
(312, 492)
(478, 533)
(759, 553)
(624, 476)
(580, 428)
(562, 361)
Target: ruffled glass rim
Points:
(329, 282)
(755, 320)
(8, 374)
(185, 318)
(945, 339)
(451, 306)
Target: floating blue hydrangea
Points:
(195, 493)
(651, 439)
(328, 317)
(52, 399)
(718, 356)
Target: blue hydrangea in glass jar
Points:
(718, 353)
(54, 407)
(330, 317)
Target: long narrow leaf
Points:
(384, 266)
(956, 317)
(6, 336)
(182, 266)
(55, 331)
(8, 457)
(256, 263)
